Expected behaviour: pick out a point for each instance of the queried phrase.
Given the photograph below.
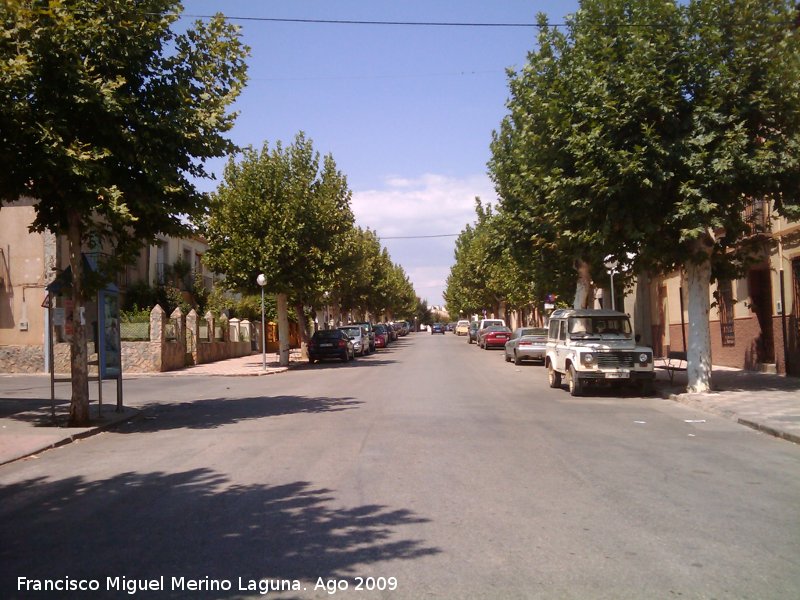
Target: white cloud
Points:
(428, 205)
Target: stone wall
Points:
(21, 359)
(156, 355)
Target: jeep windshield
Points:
(600, 328)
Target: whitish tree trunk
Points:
(302, 323)
(79, 364)
(282, 302)
(583, 290)
(321, 321)
(698, 355)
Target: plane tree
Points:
(640, 133)
(279, 213)
(106, 118)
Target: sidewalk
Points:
(766, 402)
(27, 426)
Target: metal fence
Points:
(134, 332)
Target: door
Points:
(760, 289)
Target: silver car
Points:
(360, 337)
(527, 343)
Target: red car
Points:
(381, 336)
(495, 336)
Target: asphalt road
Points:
(431, 467)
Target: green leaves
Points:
(649, 122)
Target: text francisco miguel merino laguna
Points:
(158, 584)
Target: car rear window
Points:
(534, 331)
(352, 331)
(333, 334)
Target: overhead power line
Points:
(419, 237)
(358, 22)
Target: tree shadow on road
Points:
(217, 412)
(193, 524)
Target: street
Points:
(430, 469)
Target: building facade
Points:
(30, 261)
(754, 320)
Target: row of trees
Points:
(638, 134)
(283, 212)
(108, 114)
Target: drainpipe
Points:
(783, 308)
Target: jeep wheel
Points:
(575, 383)
(553, 376)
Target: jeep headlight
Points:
(587, 358)
(644, 357)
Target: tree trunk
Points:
(583, 291)
(322, 322)
(283, 329)
(698, 355)
(302, 323)
(79, 363)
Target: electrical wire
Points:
(419, 237)
(388, 23)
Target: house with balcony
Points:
(754, 320)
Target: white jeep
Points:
(592, 347)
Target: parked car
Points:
(594, 347)
(437, 328)
(391, 331)
(483, 326)
(371, 331)
(330, 343)
(472, 332)
(484, 323)
(494, 336)
(462, 327)
(527, 343)
(360, 337)
(381, 336)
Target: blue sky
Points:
(407, 112)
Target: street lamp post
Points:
(262, 281)
(612, 267)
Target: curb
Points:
(784, 435)
(686, 400)
(70, 438)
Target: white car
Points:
(595, 347)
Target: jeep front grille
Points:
(614, 360)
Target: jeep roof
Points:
(564, 313)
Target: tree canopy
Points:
(642, 131)
(106, 117)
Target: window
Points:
(725, 299)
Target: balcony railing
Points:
(757, 217)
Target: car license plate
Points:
(326, 345)
(623, 375)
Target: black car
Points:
(437, 328)
(330, 343)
